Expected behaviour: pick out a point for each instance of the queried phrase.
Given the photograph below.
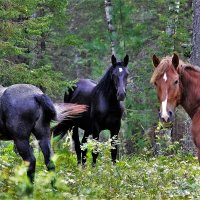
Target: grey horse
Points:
(25, 109)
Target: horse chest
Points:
(108, 115)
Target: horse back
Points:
(20, 105)
(2, 89)
(81, 92)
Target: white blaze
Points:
(164, 113)
(120, 69)
(165, 77)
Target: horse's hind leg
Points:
(43, 135)
(26, 152)
(77, 144)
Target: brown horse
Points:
(177, 83)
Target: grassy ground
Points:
(136, 177)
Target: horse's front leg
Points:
(95, 152)
(84, 149)
(196, 133)
(114, 146)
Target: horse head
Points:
(166, 79)
(119, 76)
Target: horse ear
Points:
(156, 60)
(126, 60)
(175, 60)
(113, 60)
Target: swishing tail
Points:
(65, 112)
(59, 111)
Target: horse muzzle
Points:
(167, 117)
(121, 96)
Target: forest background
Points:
(53, 43)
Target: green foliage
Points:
(138, 177)
(28, 30)
(43, 76)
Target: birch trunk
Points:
(108, 10)
(195, 56)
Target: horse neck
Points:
(106, 87)
(190, 91)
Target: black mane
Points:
(105, 82)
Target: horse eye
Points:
(155, 83)
(176, 82)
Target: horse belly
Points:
(82, 122)
(108, 120)
(5, 137)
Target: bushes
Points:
(139, 177)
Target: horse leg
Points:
(114, 147)
(45, 146)
(95, 152)
(43, 135)
(196, 133)
(26, 152)
(84, 151)
(197, 144)
(77, 144)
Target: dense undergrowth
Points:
(137, 177)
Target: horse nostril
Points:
(121, 96)
(170, 113)
(162, 119)
(165, 119)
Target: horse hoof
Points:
(83, 165)
(114, 163)
(53, 183)
(93, 164)
(29, 189)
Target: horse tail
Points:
(65, 112)
(68, 95)
(47, 105)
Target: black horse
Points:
(24, 109)
(104, 107)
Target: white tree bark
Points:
(195, 56)
(108, 10)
